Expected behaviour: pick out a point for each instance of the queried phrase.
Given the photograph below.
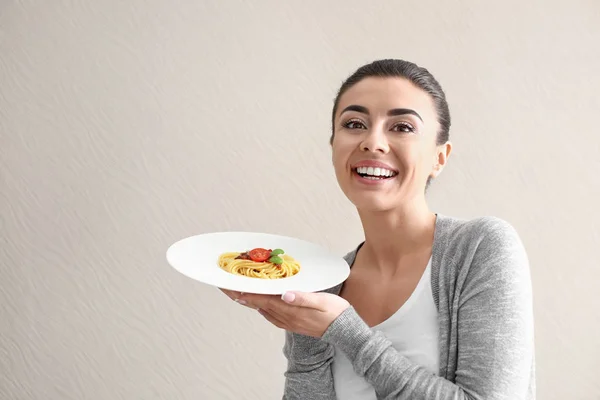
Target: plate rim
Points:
(343, 264)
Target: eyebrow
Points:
(391, 113)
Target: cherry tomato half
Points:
(259, 255)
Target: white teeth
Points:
(370, 171)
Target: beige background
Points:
(127, 125)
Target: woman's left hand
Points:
(308, 314)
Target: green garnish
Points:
(277, 252)
(276, 260)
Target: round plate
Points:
(196, 257)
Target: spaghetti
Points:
(260, 263)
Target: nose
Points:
(375, 142)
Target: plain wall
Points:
(128, 125)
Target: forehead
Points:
(382, 94)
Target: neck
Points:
(392, 235)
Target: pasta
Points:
(260, 263)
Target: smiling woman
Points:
(435, 307)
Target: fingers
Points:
(301, 299)
(262, 301)
(272, 319)
(235, 296)
(231, 294)
(279, 311)
(282, 305)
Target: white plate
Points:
(196, 257)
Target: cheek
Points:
(340, 153)
(338, 160)
(427, 161)
(408, 156)
(415, 155)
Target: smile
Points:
(375, 173)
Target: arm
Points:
(495, 333)
(308, 374)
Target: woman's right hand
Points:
(231, 294)
(235, 296)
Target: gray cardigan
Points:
(482, 289)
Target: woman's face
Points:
(384, 145)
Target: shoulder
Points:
(462, 243)
(483, 246)
(480, 227)
(477, 234)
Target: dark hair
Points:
(419, 76)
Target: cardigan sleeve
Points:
(309, 359)
(494, 333)
(308, 374)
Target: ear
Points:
(441, 158)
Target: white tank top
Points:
(413, 331)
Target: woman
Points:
(435, 307)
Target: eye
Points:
(354, 124)
(403, 127)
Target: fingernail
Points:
(242, 302)
(288, 297)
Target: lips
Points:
(374, 170)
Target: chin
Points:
(372, 202)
